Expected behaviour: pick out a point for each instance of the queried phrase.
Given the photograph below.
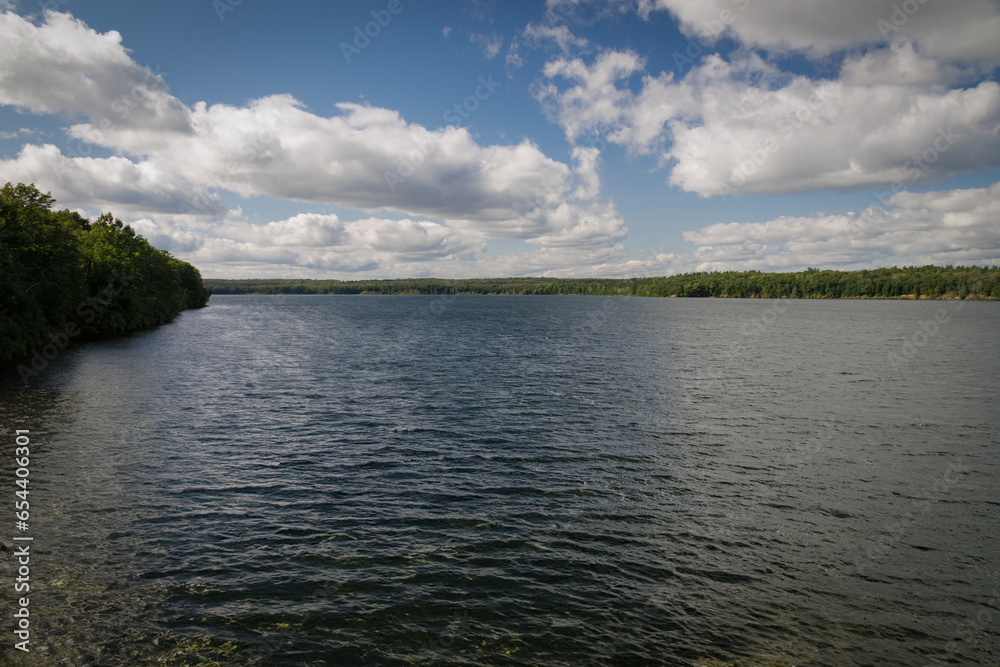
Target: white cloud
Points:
(900, 65)
(64, 67)
(911, 109)
(963, 31)
(490, 44)
(940, 227)
(413, 240)
(168, 155)
(14, 134)
(559, 34)
(943, 227)
(595, 226)
(304, 229)
(795, 134)
(114, 183)
(894, 115)
(596, 99)
(587, 170)
(513, 59)
(746, 127)
(372, 248)
(321, 242)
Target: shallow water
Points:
(314, 480)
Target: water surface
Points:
(308, 480)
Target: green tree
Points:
(41, 274)
(60, 273)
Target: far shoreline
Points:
(638, 296)
(926, 283)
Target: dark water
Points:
(517, 481)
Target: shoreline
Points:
(926, 283)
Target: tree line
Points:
(924, 282)
(63, 277)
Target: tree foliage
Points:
(928, 282)
(57, 269)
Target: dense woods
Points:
(64, 277)
(927, 282)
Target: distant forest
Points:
(924, 282)
(63, 277)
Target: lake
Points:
(490, 480)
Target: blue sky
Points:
(600, 137)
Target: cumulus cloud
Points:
(65, 67)
(795, 134)
(965, 31)
(587, 172)
(113, 183)
(941, 227)
(373, 248)
(315, 241)
(908, 107)
(900, 64)
(909, 104)
(591, 226)
(171, 161)
(745, 127)
(596, 99)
